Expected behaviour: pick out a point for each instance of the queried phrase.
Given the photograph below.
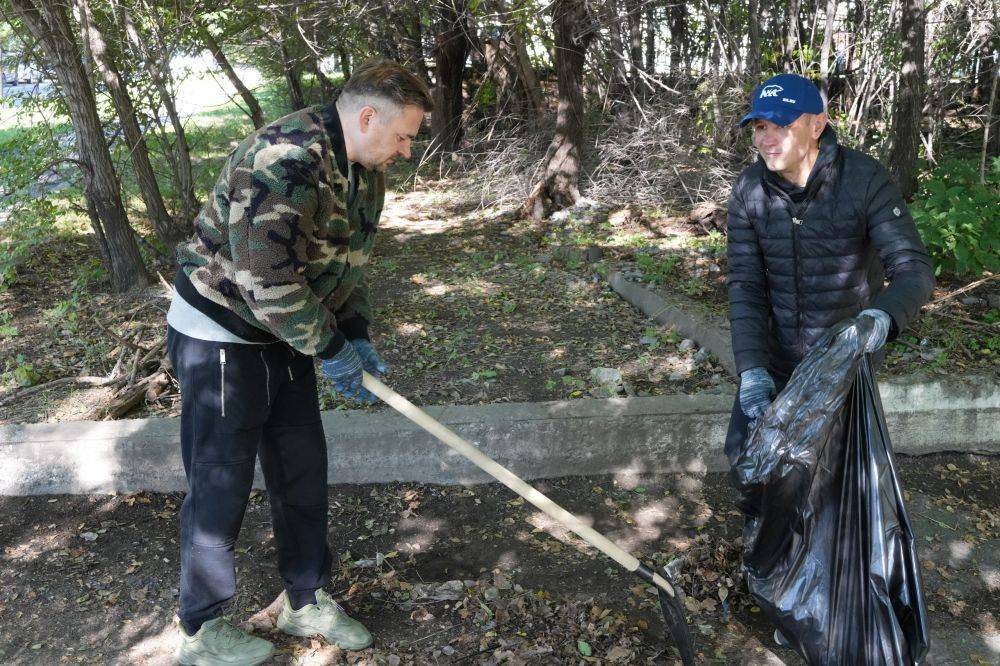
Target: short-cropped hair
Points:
(389, 81)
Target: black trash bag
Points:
(829, 556)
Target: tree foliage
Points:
(912, 82)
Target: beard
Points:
(378, 164)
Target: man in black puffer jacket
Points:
(814, 231)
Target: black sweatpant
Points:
(238, 400)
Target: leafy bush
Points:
(26, 209)
(959, 218)
(20, 372)
(654, 270)
(29, 224)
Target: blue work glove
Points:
(345, 371)
(756, 392)
(881, 331)
(370, 359)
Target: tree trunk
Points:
(507, 63)
(451, 48)
(498, 69)
(559, 187)
(824, 58)
(792, 41)
(650, 40)
(166, 229)
(345, 63)
(753, 54)
(714, 25)
(50, 25)
(909, 99)
(680, 64)
(415, 42)
(849, 82)
(526, 75)
(618, 88)
(328, 90)
(989, 141)
(634, 10)
(982, 82)
(256, 115)
(293, 77)
(293, 51)
(156, 61)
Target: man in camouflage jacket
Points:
(273, 276)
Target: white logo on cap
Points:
(770, 91)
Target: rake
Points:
(673, 611)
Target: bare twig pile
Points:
(655, 151)
(142, 371)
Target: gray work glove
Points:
(370, 359)
(345, 371)
(756, 392)
(881, 331)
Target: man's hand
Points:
(345, 370)
(756, 392)
(881, 331)
(370, 359)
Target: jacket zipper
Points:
(222, 380)
(796, 223)
(291, 355)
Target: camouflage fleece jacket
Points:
(280, 248)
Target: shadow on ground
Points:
(450, 574)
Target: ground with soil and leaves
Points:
(472, 306)
(958, 331)
(473, 575)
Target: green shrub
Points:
(654, 270)
(959, 218)
(29, 225)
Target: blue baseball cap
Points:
(783, 98)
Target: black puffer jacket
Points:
(802, 259)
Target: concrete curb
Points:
(708, 331)
(535, 440)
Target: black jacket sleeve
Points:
(905, 260)
(749, 305)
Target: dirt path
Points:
(468, 309)
(446, 575)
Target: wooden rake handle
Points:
(512, 481)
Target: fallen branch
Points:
(127, 398)
(155, 349)
(55, 383)
(118, 338)
(936, 304)
(135, 362)
(971, 322)
(907, 343)
(124, 403)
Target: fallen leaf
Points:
(421, 614)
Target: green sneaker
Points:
(219, 643)
(327, 619)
